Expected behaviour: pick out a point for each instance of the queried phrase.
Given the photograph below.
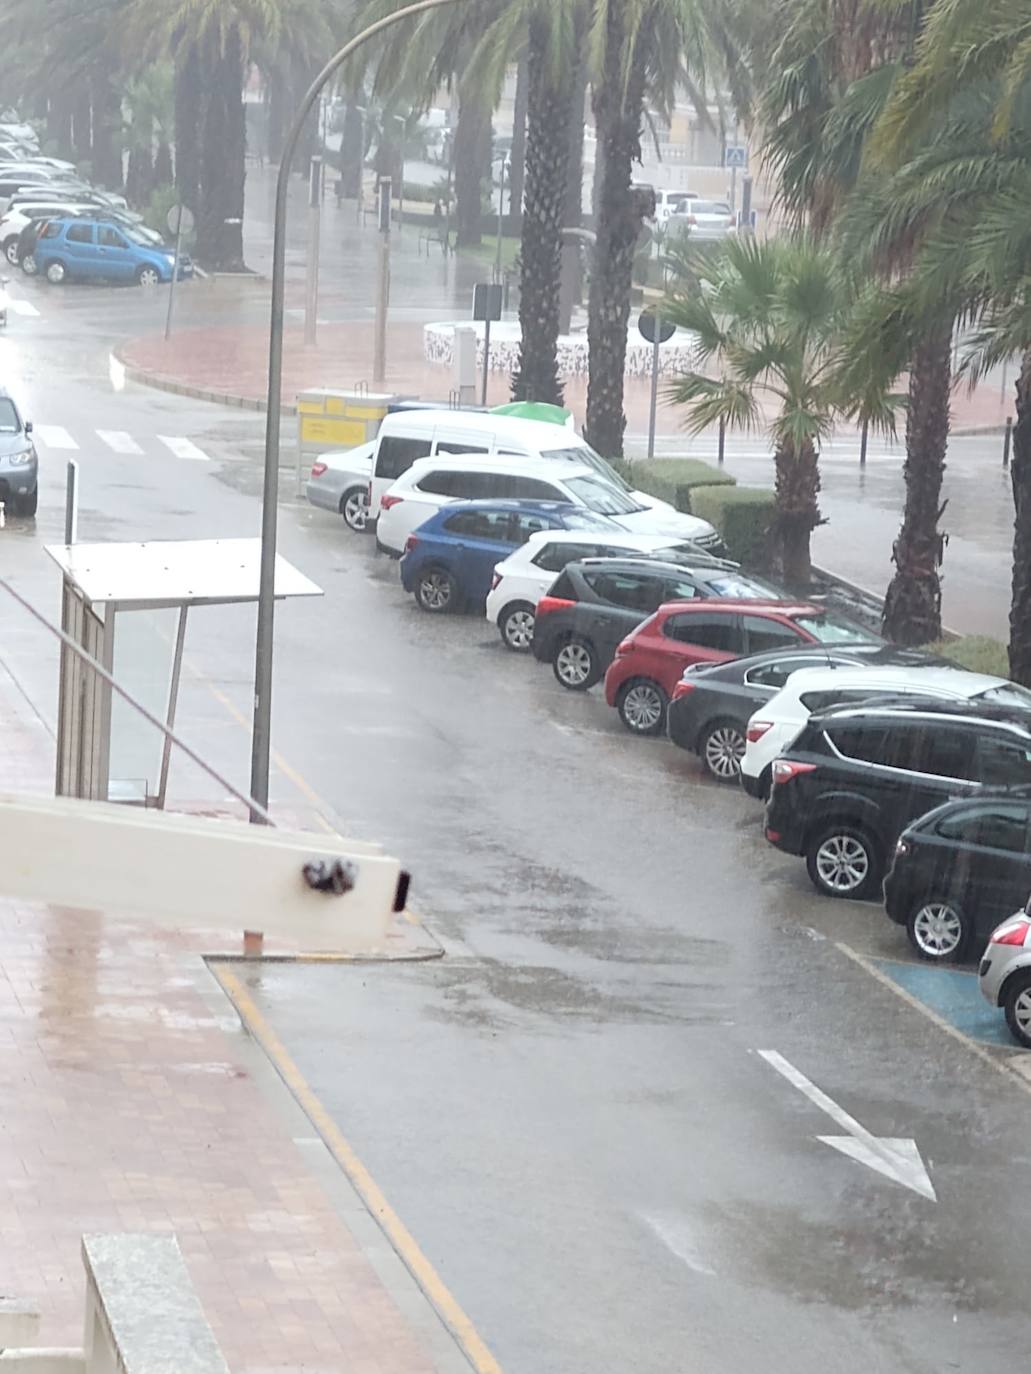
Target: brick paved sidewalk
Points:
(132, 1101)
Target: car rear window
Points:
(1001, 825)
(396, 455)
(831, 629)
(564, 588)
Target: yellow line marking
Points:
(446, 1305)
(1000, 1065)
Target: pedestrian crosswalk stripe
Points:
(119, 441)
(22, 308)
(53, 436)
(183, 448)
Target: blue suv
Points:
(101, 248)
(449, 561)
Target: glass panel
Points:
(144, 648)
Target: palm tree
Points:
(769, 316)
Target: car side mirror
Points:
(28, 426)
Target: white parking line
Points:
(183, 448)
(118, 441)
(25, 308)
(54, 436)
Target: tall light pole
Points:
(501, 216)
(401, 186)
(261, 739)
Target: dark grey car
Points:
(19, 466)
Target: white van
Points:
(409, 435)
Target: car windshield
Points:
(8, 416)
(743, 587)
(1007, 694)
(585, 456)
(600, 497)
(134, 236)
(830, 629)
(707, 207)
(585, 520)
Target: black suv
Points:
(960, 870)
(857, 776)
(713, 703)
(595, 603)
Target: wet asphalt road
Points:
(568, 1110)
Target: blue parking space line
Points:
(954, 995)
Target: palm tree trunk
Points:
(352, 151)
(618, 112)
(189, 103)
(1020, 476)
(547, 149)
(275, 113)
(573, 213)
(796, 514)
(82, 126)
(912, 605)
(59, 123)
(517, 158)
(222, 164)
(107, 134)
(472, 151)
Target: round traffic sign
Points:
(179, 219)
(646, 324)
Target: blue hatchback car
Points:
(103, 249)
(449, 561)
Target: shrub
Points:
(742, 516)
(674, 479)
(978, 653)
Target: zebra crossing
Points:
(120, 441)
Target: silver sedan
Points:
(1005, 974)
(339, 482)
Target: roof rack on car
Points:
(910, 703)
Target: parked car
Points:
(19, 466)
(593, 605)
(667, 202)
(649, 663)
(780, 721)
(712, 704)
(491, 439)
(449, 560)
(78, 193)
(706, 221)
(339, 482)
(529, 573)
(958, 871)
(856, 776)
(103, 250)
(1004, 975)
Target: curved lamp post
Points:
(261, 739)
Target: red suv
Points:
(649, 663)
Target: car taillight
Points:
(547, 604)
(690, 219)
(623, 647)
(410, 543)
(385, 502)
(784, 770)
(495, 582)
(756, 730)
(682, 689)
(1012, 933)
(317, 469)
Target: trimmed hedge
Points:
(978, 653)
(742, 515)
(674, 479)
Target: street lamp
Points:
(261, 739)
(501, 214)
(401, 188)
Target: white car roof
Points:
(500, 462)
(643, 543)
(947, 681)
(344, 457)
(533, 434)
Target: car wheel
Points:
(723, 748)
(843, 861)
(354, 507)
(435, 591)
(11, 250)
(27, 505)
(576, 665)
(938, 930)
(57, 273)
(148, 276)
(642, 707)
(1016, 1003)
(29, 265)
(515, 625)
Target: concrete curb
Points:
(157, 382)
(971, 431)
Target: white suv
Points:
(776, 726)
(524, 577)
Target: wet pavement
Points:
(569, 1111)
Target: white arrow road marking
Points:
(184, 448)
(25, 308)
(897, 1159)
(119, 440)
(675, 1234)
(54, 436)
